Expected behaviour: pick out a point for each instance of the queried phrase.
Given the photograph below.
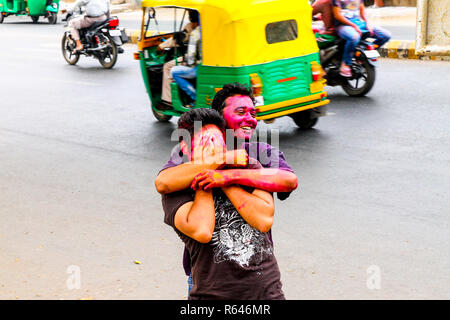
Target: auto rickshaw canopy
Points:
(234, 32)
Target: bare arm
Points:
(180, 177)
(362, 12)
(256, 208)
(196, 219)
(268, 179)
(337, 14)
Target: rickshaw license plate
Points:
(114, 33)
(372, 54)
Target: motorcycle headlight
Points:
(54, 5)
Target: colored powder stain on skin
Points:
(217, 176)
(241, 206)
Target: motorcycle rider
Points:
(351, 25)
(96, 10)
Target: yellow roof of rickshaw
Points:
(233, 31)
(235, 9)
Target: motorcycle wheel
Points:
(304, 120)
(67, 46)
(52, 18)
(161, 117)
(35, 19)
(108, 57)
(361, 86)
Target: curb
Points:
(394, 49)
(133, 36)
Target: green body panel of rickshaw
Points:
(283, 80)
(40, 7)
(30, 7)
(13, 6)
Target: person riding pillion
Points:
(96, 10)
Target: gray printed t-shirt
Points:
(237, 264)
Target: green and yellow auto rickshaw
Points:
(266, 44)
(33, 8)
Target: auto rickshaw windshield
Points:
(161, 20)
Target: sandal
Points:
(77, 51)
(345, 71)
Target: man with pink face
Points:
(226, 230)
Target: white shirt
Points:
(94, 8)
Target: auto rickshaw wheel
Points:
(304, 119)
(67, 46)
(52, 18)
(35, 19)
(161, 117)
(1, 17)
(108, 57)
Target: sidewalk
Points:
(397, 18)
(398, 48)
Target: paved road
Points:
(79, 150)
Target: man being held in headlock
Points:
(226, 230)
(96, 10)
(166, 95)
(236, 104)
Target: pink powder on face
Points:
(239, 114)
(210, 137)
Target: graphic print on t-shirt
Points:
(234, 239)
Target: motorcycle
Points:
(331, 50)
(103, 40)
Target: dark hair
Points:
(205, 115)
(194, 16)
(229, 90)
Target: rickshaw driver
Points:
(166, 95)
(351, 23)
(96, 10)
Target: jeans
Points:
(352, 38)
(180, 74)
